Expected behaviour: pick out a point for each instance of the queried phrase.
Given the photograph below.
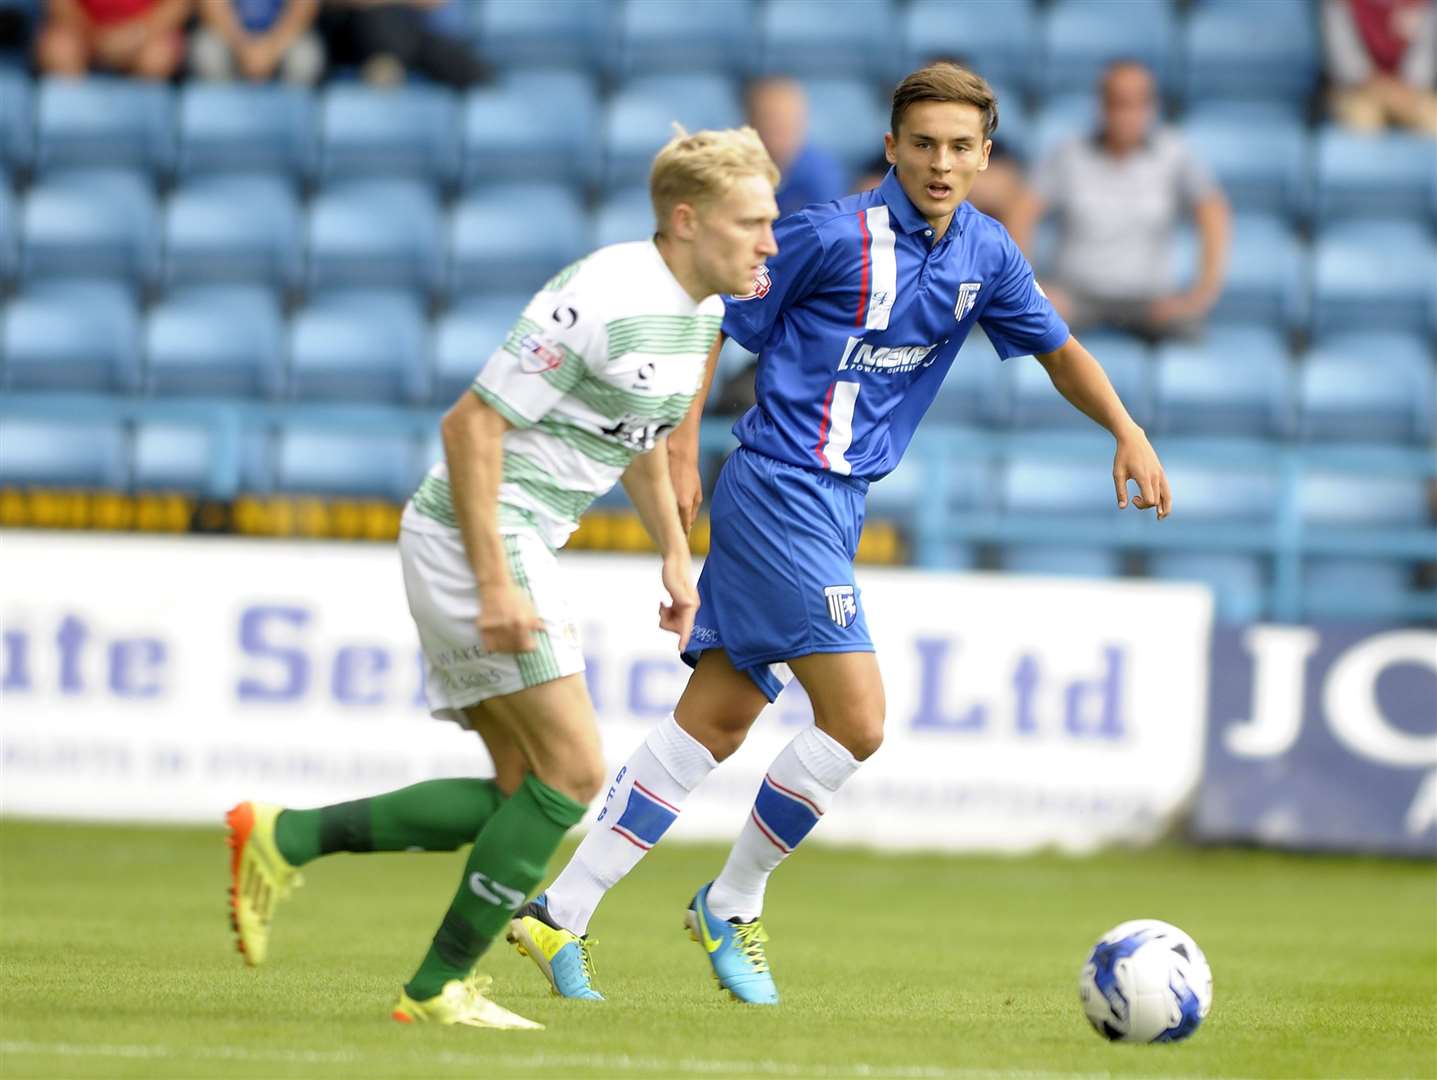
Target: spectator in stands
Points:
(1382, 62)
(1119, 195)
(386, 38)
(257, 39)
(778, 111)
(129, 37)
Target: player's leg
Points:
(556, 730)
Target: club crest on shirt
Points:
(842, 605)
(967, 297)
(761, 284)
(537, 356)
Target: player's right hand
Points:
(507, 620)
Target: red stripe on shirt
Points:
(823, 426)
(863, 282)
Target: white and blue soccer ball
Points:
(1146, 981)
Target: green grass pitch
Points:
(116, 960)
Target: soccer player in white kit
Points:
(604, 361)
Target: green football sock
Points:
(506, 864)
(436, 815)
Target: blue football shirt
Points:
(858, 317)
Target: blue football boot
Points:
(735, 949)
(560, 954)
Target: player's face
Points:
(734, 236)
(938, 150)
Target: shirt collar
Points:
(904, 212)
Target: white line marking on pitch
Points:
(530, 1062)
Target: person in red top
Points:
(1382, 60)
(129, 37)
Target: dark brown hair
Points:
(943, 81)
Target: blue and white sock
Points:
(794, 794)
(639, 806)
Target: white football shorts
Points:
(444, 600)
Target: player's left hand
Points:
(1137, 460)
(677, 616)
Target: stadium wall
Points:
(163, 679)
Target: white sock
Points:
(793, 796)
(641, 804)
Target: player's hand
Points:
(507, 620)
(1137, 460)
(677, 616)
(688, 487)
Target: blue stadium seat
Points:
(222, 340)
(1241, 51)
(234, 228)
(1258, 151)
(1376, 274)
(9, 234)
(360, 345)
(828, 37)
(639, 119)
(846, 118)
(376, 232)
(1061, 561)
(103, 121)
(1266, 275)
(1061, 118)
(17, 120)
(1036, 403)
(408, 131)
(173, 457)
(71, 335)
(520, 34)
(672, 35)
(997, 38)
(905, 494)
(1374, 175)
(334, 462)
(100, 223)
(1238, 581)
(1044, 485)
(235, 127)
(1080, 37)
(976, 389)
(733, 359)
(1381, 392)
(1236, 381)
(467, 336)
(62, 453)
(515, 237)
(1336, 588)
(625, 215)
(1220, 495)
(1356, 498)
(534, 123)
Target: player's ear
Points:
(684, 221)
(890, 146)
(987, 149)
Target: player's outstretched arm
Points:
(684, 447)
(1081, 379)
(473, 436)
(651, 490)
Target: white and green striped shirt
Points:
(605, 359)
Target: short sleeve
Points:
(1018, 318)
(1195, 179)
(555, 344)
(786, 279)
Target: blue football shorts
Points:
(778, 581)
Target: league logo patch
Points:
(842, 605)
(967, 297)
(761, 285)
(537, 356)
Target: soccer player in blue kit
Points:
(856, 321)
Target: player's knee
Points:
(861, 736)
(587, 778)
(720, 733)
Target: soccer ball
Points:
(1146, 981)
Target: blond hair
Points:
(700, 167)
(944, 81)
